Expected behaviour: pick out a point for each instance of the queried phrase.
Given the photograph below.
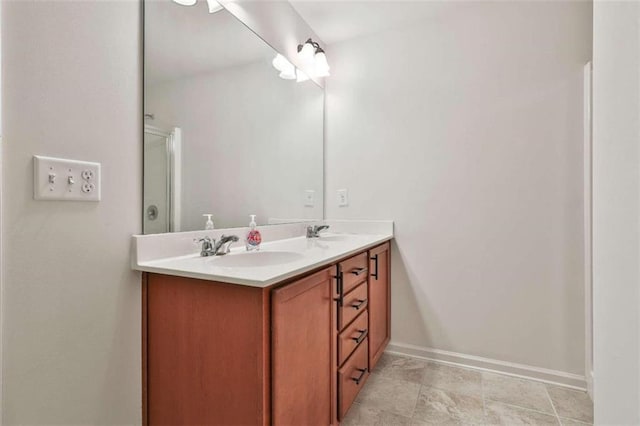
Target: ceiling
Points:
(339, 20)
(185, 40)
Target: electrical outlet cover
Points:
(65, 180)
(343, 197)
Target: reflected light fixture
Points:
(286, 68)
(213, 5)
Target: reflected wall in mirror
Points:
(224, 135)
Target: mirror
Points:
(224, 134)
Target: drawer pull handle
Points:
(359, 271)
(358, 305)
(358, 379)
(360, 338)
(375, 273)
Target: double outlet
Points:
(66, 180)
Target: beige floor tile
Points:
(441, 407)
(363, 415)
(571, 422)
(520, 392)
(399, 367)
(389, 394)
(503, 414)
(571, 404)
(459, 380)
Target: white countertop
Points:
(276, 261)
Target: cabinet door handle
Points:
(358, 379)
(358, 305)
(339, 289)
(359, 271)
(360, 338)
(375, 273)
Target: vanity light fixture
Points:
(214, 6)
(312, 54)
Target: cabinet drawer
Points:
(351, 378)
(352, 336)
(353, 303)
(354, 271)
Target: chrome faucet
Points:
(314, 231)
(211, 247)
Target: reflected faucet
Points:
(314, 231)
(211, 247)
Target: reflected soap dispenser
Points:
(209, 224)
(253, 236)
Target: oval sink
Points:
(333, 237)
(256, 259)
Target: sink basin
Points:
(333, 237)
(256, 259)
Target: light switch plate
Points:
(343, 197)
(309, 197)
(65, 180)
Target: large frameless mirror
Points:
(223, 134)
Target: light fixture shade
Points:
(286, 68)
(307, 53)
(186, 2)
(214, 6)
(280, 62)
(301, 76)
(321, 65)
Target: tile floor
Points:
(408, 391)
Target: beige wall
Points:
(71, 330)
(616, 212)
(466, 130)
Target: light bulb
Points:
(214, 6)
(301, 76)
(307, 53)
(186, 2)
(321, 65)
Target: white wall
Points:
(252, 143)
(71, 331)
(616, 212)
(467, 132)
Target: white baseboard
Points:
(590, 384)
(545, 375)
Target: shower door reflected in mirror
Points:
(252, 142)
(162, 175)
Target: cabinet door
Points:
(379, 302)
(304, 352)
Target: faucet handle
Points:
(202, 240)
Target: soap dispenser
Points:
(209, 224)
(253, 236)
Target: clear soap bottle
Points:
(253, 236)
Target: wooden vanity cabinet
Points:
(379, 301)
(303, 352)
(295, 353)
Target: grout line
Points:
(413, 412)
(552, 405)
(546, 413)
(484, 405)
